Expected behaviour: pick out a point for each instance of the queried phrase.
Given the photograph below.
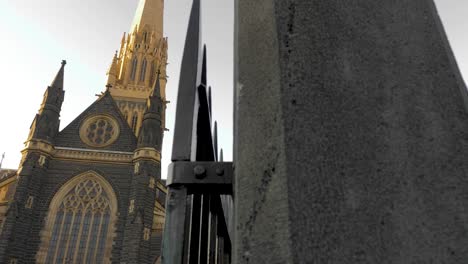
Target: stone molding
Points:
(148, 154)
(38, 145)
(93, 155)
(78, 154)
(160, 186)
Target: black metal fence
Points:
(199, 203)
(196, 226)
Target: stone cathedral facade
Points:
(92, 192)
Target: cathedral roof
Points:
(6, 174)
(104, 106)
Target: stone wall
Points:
(351, 134)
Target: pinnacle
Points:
(58, 80)
(108, 86)
(157, 86)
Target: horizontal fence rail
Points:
(197, 229)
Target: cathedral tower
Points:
(143, 53)
(92, 192)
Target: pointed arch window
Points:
(134, 121)
(125, 115)
(143, 70)
(134, 68)
(80, 222)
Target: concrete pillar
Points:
(351, 134)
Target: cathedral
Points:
(92, 192)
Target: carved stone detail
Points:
(42, 160)
(147, 153)
(131, 208)
(99, 131)
(30, 202)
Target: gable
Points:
(83, 131)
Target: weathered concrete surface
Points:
(351, 134)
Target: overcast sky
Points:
(37, 34)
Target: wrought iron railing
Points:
(199, 202)
(196, 225)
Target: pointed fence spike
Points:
(221, 158)
(203, 73)
(209, 100)
(215, 133)
(190, 79)
(204, 133)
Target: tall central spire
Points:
(143, 52)
(149, 13)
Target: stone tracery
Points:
(80, 223)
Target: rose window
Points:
(99, 131)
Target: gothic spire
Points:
(122, 41)
(151, 132)
(149, 13)
(155, 101)
(157, 86)
(53, 97)
(143, 50)
(58, 80)
(46, 123)
(113, 70)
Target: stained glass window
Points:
(99, 131)
(80, 225)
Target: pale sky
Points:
(37, 34)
